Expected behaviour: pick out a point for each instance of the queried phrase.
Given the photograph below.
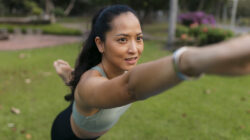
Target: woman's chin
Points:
(127, 68)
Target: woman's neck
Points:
(110, 70)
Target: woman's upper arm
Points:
(99, 92)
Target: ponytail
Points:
(90, 55)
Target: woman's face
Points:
(123, 44)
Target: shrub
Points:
(214, 35)
(181, 30)
(59, 30)
(55, 29)
(244, 22)
(195, 31)
(58, 12)
(201, 35)
(196, 18)
(33, 7)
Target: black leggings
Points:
(61, 129)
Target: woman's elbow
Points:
(134, 95)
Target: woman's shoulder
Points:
(94, 72)
(89, 79)
(87, 83)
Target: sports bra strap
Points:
(100, 70)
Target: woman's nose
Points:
(132, 47)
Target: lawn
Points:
(211, 108)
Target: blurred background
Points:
(34, 33)
(190, 22)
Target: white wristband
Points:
(176, 56)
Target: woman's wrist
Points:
(184, 63)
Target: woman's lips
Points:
(131, 60)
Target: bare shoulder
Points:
(96, 91)
(89, 76)
(87, 81)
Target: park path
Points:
(20, 42)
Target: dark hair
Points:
(89, 55)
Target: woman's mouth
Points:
(131, 60)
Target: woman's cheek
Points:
(141, 50)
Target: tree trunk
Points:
(201, 5)
(70, 7)
(47, 7)
(234, 11)
(173, 10)
(49, 10)
(218, 9)
(224, 16)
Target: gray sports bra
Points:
(103, 120)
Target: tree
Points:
(234, 10)
(172, 23)
(69, 7)
(49, 8)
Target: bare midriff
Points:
(79, 132)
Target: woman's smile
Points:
(131, 60)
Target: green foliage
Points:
(181, 30)
(136, 4)
(201, 35)
(243, 9)
(18, 7)
(21, 7)
(58, 11)
(2, 8)
(195, 31)
(59, 30)
(55, 29)
(33, 7)
(214, 35)
(244, 22)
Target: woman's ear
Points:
(99, 44)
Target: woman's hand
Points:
(63, 69)
(229, 58)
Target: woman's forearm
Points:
(151, 78)
(226, 58)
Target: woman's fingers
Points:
(61, 66)
(61, 62)
(63, 69)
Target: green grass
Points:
(54, 29)
(185, 112)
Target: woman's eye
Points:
(139, 38)
(122, 40)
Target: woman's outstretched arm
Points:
(145, 80)
(230, 58)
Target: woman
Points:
(106, 79)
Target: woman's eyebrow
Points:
(139, 34)
(127, 34)
(121, 35)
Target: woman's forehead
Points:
(125, 23)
